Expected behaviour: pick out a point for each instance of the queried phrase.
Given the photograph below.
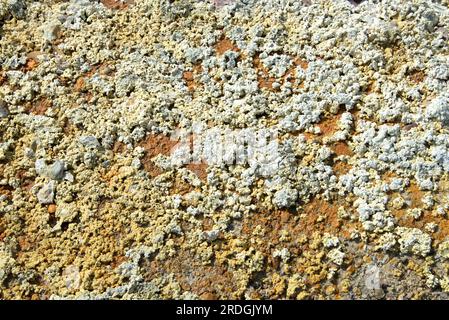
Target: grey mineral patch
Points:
(16, 8)
(40, 165)
(438, 109)
(211, 235)
(373, 280)
(51, 30)
(56, 170)
(4, 112)
(89, 142)
(440, 72)
(46, 194)
(68, 176)
(285, 197)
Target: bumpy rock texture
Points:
(92, 91)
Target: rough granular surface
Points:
(355, 205)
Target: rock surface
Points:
(311, 142)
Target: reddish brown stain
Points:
(371, 87)
(25, 243)
(118, 260)
(189, 77)
(3, 77)
(263, 77)
(51, 208)
(200, 169)
(103, 69)
(180, 186)
(341, 149)
(341, 168)
(224, 44)
(388, 176)
(301, 62)
(6, 191)
(39, 107)
(67, 127)
(79, 84)
(30, 65)
(26, 182)
(208, 296)
(329, 126)
(414, 196)
(290, 72)
(405, 220)
(316, 217)
(118, 147)
(409, 126)
(417, 76)
(155, 144)
(266, 81)
(207, 281)
(309, 136)
(117, 4)
(331, 222)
